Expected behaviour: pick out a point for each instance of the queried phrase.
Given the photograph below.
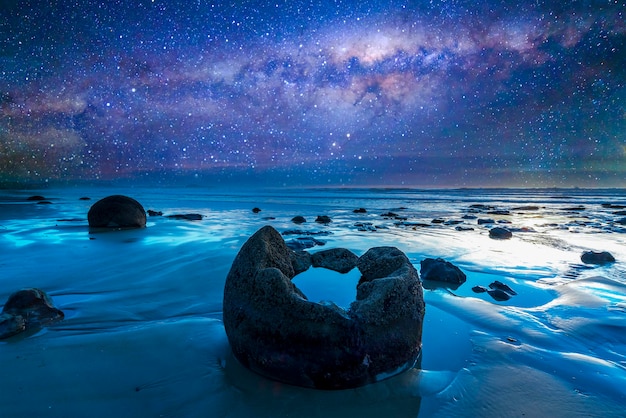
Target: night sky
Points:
(438, 93)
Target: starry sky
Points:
(427, 93)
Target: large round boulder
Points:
(597, 257)
(117, 211)
(275, 331)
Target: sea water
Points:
(143, 336)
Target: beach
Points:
(143, 334)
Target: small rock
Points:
(479, 289)
(186, 216)
(298, 220)
(499, 295)
(389, 215)
(323, 219)
(84, 198)
(440, 270)
(302, 243)
(500, 233)
(529, 207)
(464, 228)
(597, 257)
(359, 210)
(35, 198)
(26, 309)
(484, 221)
(504, 287)
(256, 210)
(154, 213)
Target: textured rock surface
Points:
(597, 257)
(438, 269)
(25, 309)
(275, 331)
(117, 211)
(337, 259)
(500, 233)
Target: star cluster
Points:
(426, 93)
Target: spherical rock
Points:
(275, 331)
(597, 257)
(438, 269)
(337, 259)
(117, 211)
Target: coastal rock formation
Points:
(185, 216)
(298, 220)
(597, 257)
(337, 259)
(27, 309)
(117, 211)
(275, 331)
(438, 269)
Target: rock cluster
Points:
(275, 331)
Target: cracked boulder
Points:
(275, 331)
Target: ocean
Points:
(143, 335)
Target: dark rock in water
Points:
(26, 309)
(302, 243)
(84, 198)
(301, 261)
(365, 226)
(437, 221)
(117, 211)
(621, 221)
(186, 216)
(500, 233)
(499, 295)
(298, 220)
(504, 221)
(438, 269)
(464, 228)
(389, 215)
(619, 212)
(484, 221)
(480, 206)
(613, 206)
(44, 202)
(453, 222)
(479, 289)
(256, 210)
(499, 212)
(504, 287)
(154, 213)
(323, 219)
(336, 259)
(275, 331)
(35, 198)
(597, 257)
(469, 216)
(301, 232)
(529, 207)
(11, 325)
(360, 210)
(575, 208)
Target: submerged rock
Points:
(336, 259)
(154, 212)
(438, 269)
(499, 295)
(275, 331)
(597, 257)
(35, 198)
(27, 309)
(479, 289)
(504, 287)
(302, 243)
(186, 216)
(117, 211)
(360, 210)
(323, 219)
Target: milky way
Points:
(428, 93)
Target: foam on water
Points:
(143, 333)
